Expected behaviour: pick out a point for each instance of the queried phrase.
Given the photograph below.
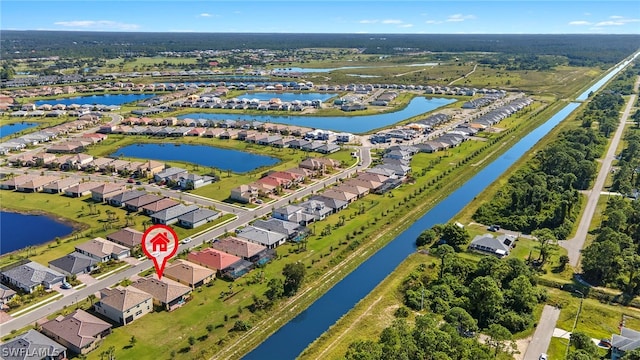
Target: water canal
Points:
(291, 339)
(17, 231)
(9, 129)
(106, 99)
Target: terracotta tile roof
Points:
(160, 205)
(101, 247)
(213, 259)
(238, 247)
(128, 237)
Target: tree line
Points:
(544, 192)
(462, 297)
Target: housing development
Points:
(397, 196)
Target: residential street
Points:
(574, 246)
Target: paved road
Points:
(574, 246)
(544, 331)
(241, 220)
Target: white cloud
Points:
(392, 21)
(205, 15)
(579, 22)
(460, 17)
(368, 21)
(405, 25)
(619, 21)
(433, 22)
(97, 25)
(616, 17)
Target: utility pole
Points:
(575, 322)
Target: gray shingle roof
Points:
(198, 215)
(261, 236)
(29, 345)
(174, 212)
(73, 263)
(32, 274)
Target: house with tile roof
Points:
(36, 184)
(27, 277)
(119, 199)
(166, 293)
(199, 217)
(103, 250)
(124, 304)
(79, 331)
(127, 237)
(212, 259)
(14, 182)
(255, 253)
(263, 237)
(334, 193)
(105, 191)
(188, 273)
(170, 215)
(244, 193)
(82, 189)
(162, 204)
(32, 345)
(74, 264)
(139, 202)
(59, 186)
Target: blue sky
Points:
(370, 16)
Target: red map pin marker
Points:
(159, 243)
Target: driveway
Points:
(544, 331)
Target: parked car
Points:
(131, 181)
(605, 343)
(494, 228)
(186, 240)
(138, 182)
(66, 286)
(543, 356)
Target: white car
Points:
(543, 356)
(186, 240)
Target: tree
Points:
(454, 235)
(521, 296)
(546, 243)
(498, 337)
(461, 320)
(293, 277)
(427, 237)
(275, 289)
(444, 252)
(563, 260)
(581, 341)
(133, 341)
(485, 299)
(241, 326)
(632, 355)
(192, 340)
(363, 350)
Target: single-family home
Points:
(334, 204)
(162, 204)
(359, 191)
(170, 215)
(150, 168)
(36, 184)
(120, 198)
(124, 304)
(255, 253)
(103, 250)
(194, 181)
(127, 237)
(188, 273)
(317, 209)
(244, 193)
(627, 341)
(293, 231)
(499, 246)
(106, 190)
(169, 174)
(139, 202)
(14, 182)
(6, 294)
(333, 193)
(59, 186)
(79, 331)
(32, 345)
(198, 218)
(28, 276)
(74, 264)
(293, 213)
(212, 258)
(166, 293)
(263, 237)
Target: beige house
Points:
(166, 293)
(124, 304)
(188, 273)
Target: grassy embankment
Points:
(377, 307)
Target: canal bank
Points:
(283, 343)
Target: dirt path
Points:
(463, 76)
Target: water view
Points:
(288, 96)
(320, 70)
(606, 78)
(202, 155)
(353, 124)
(8, 129)
(18, 231)
(291, 339)
(106, 99)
